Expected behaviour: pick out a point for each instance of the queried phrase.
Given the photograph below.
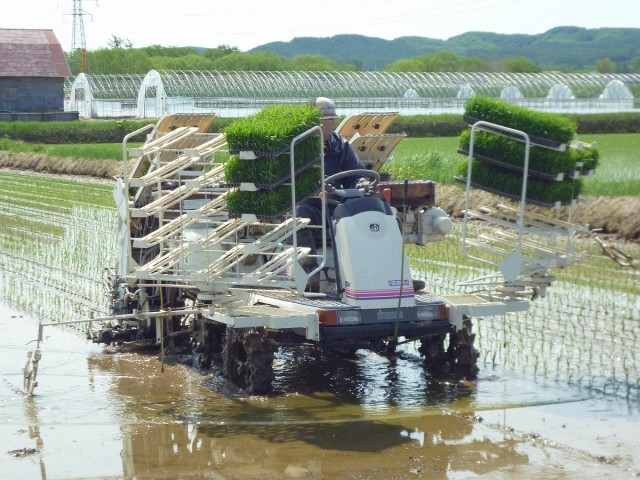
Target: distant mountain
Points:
(567, 48)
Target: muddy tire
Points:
(248, 359)
(462, 352)
(207, 344)
(433, 351)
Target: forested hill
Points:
(563, 48)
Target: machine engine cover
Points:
(370, 255)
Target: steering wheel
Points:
(362, 172)
(346, 193)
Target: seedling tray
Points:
(281, 181)
(515, 168)
(555, 204)
(538, 141)
(249, 154)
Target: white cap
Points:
(327, 106)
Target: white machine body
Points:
(373, 272)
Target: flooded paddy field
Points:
(558, 393)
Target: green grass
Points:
(98, 151)
(425, 158)
(618, 172)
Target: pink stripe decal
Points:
(377, 294)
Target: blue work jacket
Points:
(339, 157)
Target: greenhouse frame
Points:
(240, 93)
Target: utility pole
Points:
(78, 41)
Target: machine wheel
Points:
(248, 359)
(462, 352)
(433, 351)
(207, 344)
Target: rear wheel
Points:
(462, 352)
(433, 351)
(207, 343)
(248, 359)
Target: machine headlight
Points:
(438, 311)
(349, 317)
(332, 318)
(425, 312)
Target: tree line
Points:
(121, 57)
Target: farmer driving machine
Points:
(210, 263)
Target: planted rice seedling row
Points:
(569, 336)
(570, 342)
(32, 209)
(543, 351)
(61, 279)
(42, 189)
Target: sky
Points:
(250, 23)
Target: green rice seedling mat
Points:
(549, 129)
(271, 203)
(515, 197)
(509, 184)
(509, 166)
(544, 161)
(539, 141)
(269, 132)
(272, 171)
(279, 182)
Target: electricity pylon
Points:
(78, 40)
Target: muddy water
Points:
(100, 415)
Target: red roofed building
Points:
(32, 73)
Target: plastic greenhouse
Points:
(104, 96)
(241, 93)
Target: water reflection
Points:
(125, 418)
(180, 421)
(377, 383)
(439, 446)
(314, 387)
(31, 412)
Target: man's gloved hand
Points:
(363, 183)
(369, 189)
